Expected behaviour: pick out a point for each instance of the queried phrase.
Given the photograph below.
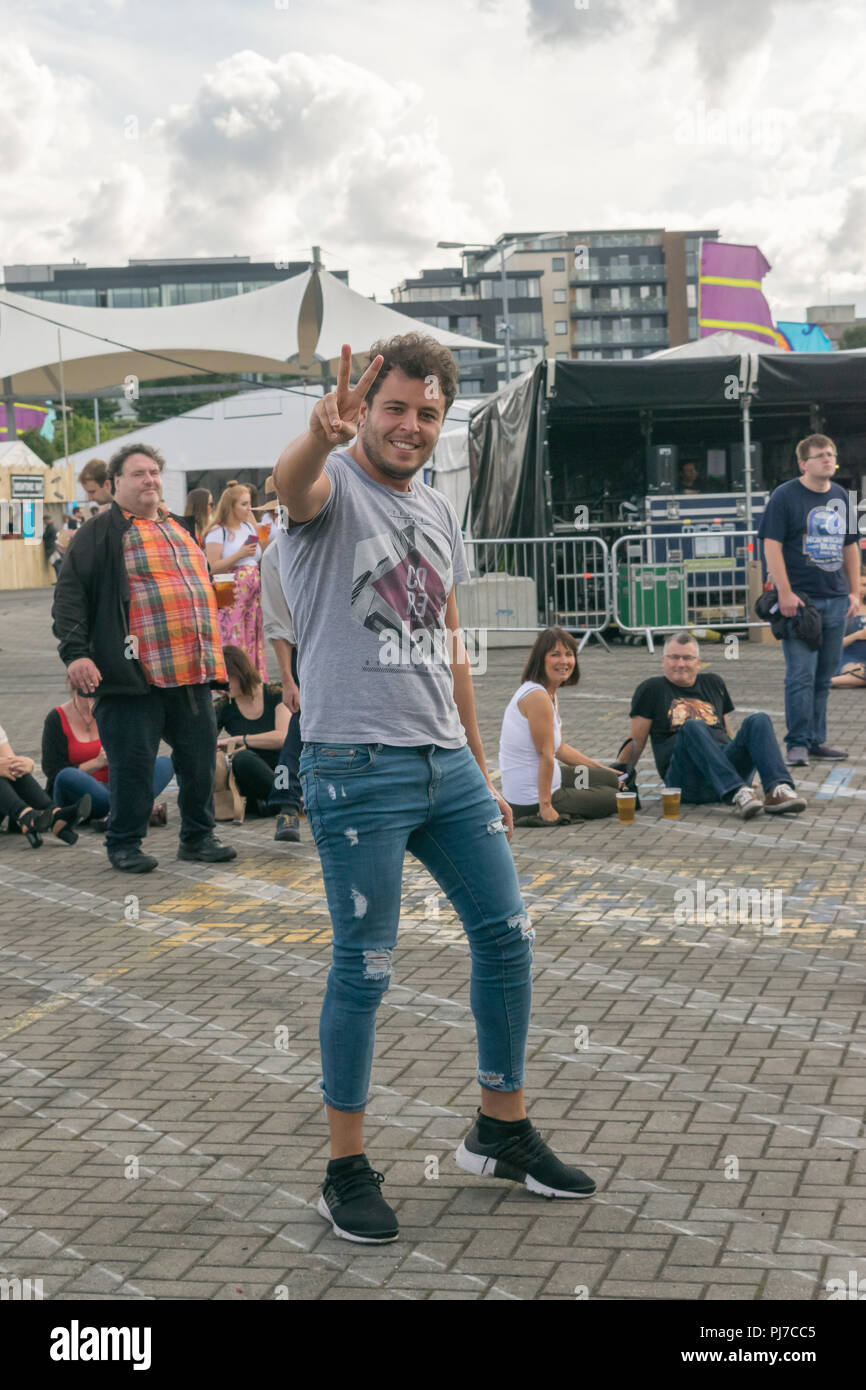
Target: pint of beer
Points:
(625, 804)
(264, 534)
(671, 803)
(225, 590)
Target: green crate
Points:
(652, 596)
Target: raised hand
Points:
(335, 416)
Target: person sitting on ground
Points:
(74, 761)
(533, 783)
(256, 722)
(28, 807)
(852, 665)
(685, 712)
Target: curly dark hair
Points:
(419, 357)
(116, 462)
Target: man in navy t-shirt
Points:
(812, 553)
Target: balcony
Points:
(611, 274)
(624, 338)
(657, 305)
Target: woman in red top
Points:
(74, 761)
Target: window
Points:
(470, 386)
(560, 326)
(582, 297)
(559, 296)
(135, 297)
(525, 325)
(558, 263)
(692, 295)
(437, 321)
(563, 355)
(524, 288)
(469, 326)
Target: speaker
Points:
(738, 468)
(662, 464)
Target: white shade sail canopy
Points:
(723, 344)
(287, 329)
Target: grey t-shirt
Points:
(367, 581)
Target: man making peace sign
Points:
(392, 760)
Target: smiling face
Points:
(681, 663)
(138, 487)
(398, 429)
(558, 665)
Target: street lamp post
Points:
(474, 246)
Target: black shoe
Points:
(355, 1207)
(78, 811)
(132, 861)
(207, 851)
(522, 1157)
(30, 823)
(288, 826)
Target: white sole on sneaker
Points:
(482, 1166)
(324, 1210)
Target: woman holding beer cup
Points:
(233, 553)
(531, 747)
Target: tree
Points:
(854, 337)
(33, 439)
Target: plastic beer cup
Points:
(625, 804)
(671, 803)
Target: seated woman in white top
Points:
(531, 742)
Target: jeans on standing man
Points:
(808, 674)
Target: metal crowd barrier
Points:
(526, 585)
(695, 577)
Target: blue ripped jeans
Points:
(368, 804)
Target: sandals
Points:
(30, 823)
(78, 811)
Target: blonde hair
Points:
(225, 506)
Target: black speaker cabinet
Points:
(662, 465)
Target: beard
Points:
(374, 445)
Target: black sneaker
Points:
(207, 851)
(132, 861)
(288, 826)
(355, 1207)
(522, 1158)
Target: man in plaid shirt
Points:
(136, 618)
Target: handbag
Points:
(228, 804)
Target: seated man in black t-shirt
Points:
(685, 713)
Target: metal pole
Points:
(747, 462)
(505, 312)
(9, 398)
(96, 416)
(63, 398)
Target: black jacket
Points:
(91, 602)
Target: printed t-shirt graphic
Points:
(680, 710)
(824, 538)
(398, 582)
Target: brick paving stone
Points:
(156, 1039)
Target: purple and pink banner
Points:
(731, 297)
(27, 417)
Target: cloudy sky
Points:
(261, 127)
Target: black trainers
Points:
(353, 1204)
(207, 851)
(522, 1157)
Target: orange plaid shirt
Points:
(172, 604)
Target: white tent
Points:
(725, 344)
(249, 432)
(288, 328)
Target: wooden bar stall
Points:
(30, 492)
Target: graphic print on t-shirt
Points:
(681, 709)
(401, 582)
(824, 537)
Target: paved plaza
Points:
(162, 1131)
